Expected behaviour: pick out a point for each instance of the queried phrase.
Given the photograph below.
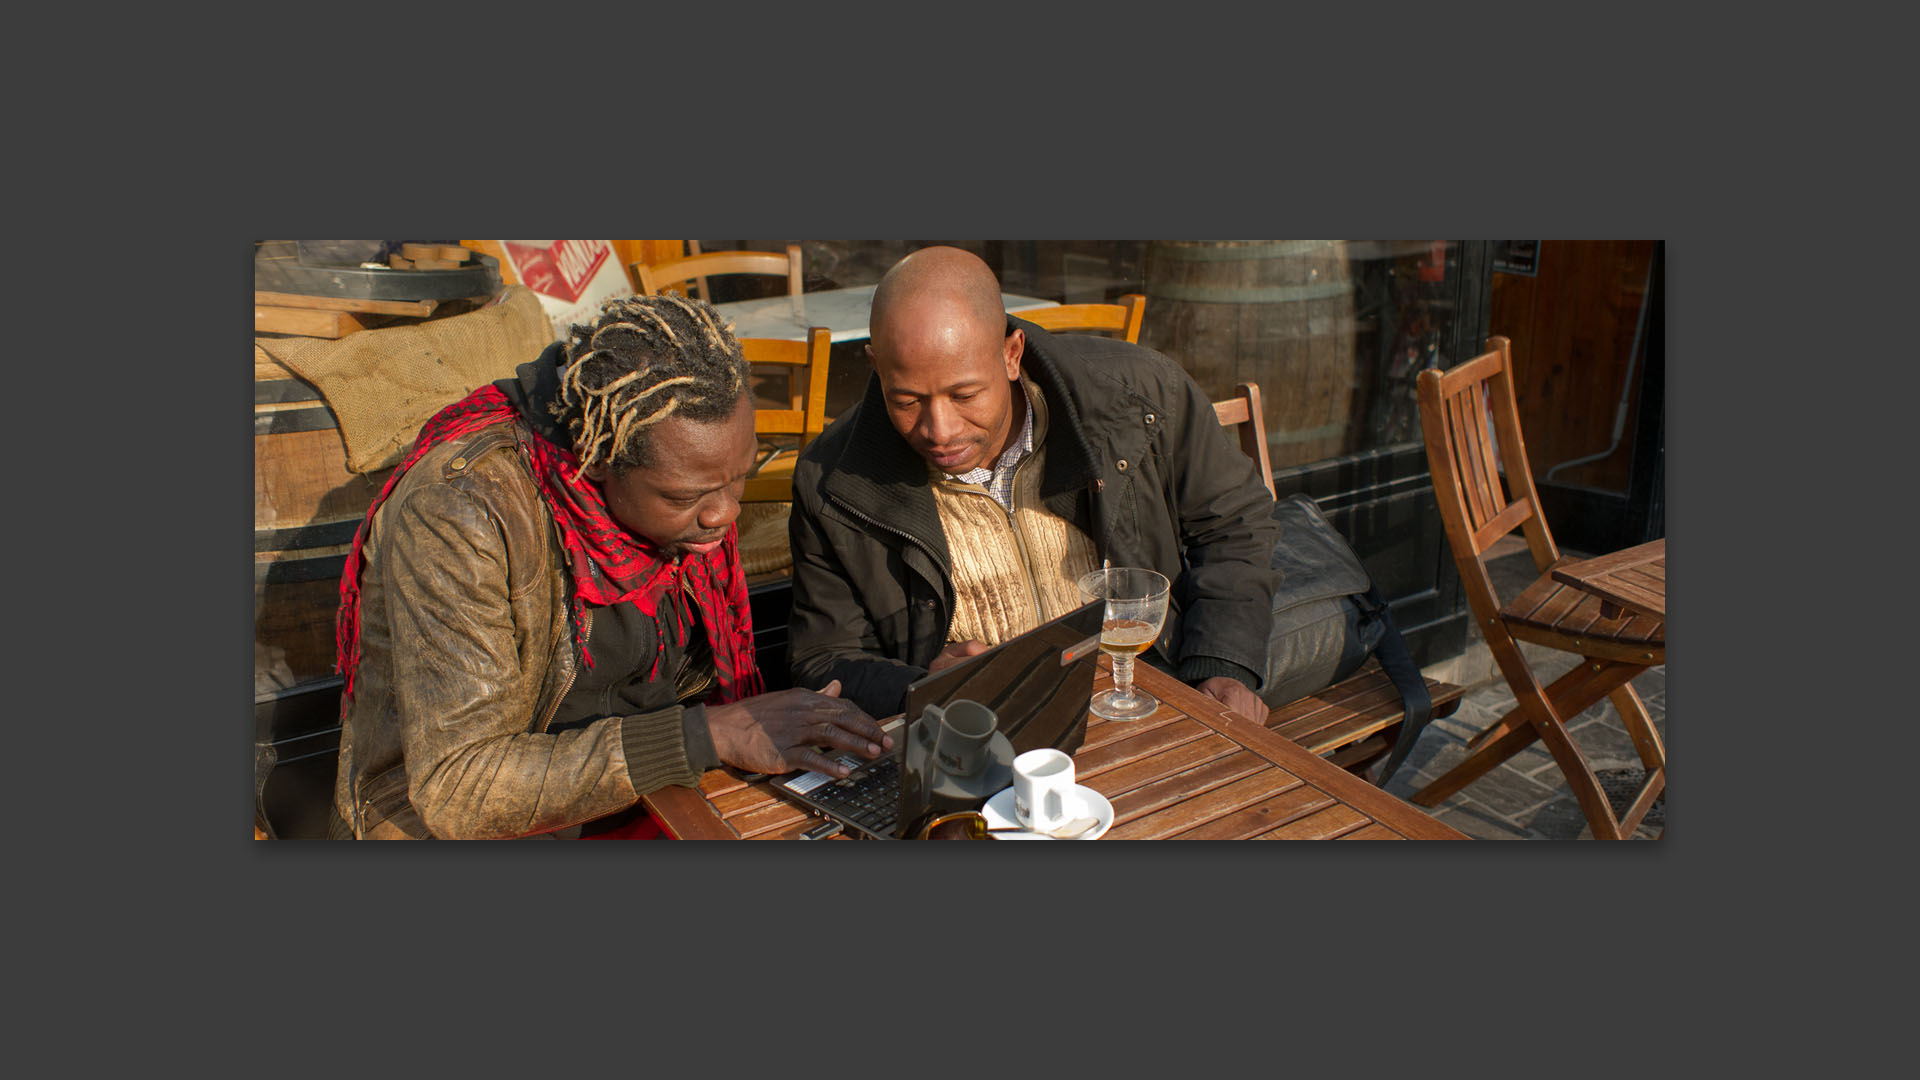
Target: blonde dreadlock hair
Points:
(643, 359)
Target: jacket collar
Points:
(879, 476)
(1069, 462)
(534, 391)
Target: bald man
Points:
(988, 466)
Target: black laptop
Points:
(1038, 683)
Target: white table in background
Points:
(842, 311)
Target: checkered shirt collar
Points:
(998, 480)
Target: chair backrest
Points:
(1471, 425)
(1121, 319)
(806, 414)
(1242, 411)
(677, 274)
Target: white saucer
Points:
(999, 815)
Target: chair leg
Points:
(1649, 791)
(1584, 783)
(1652, 751)
(1608, 677)
(1646, 740)
(1520, 680)
(1544, 713)
(1506, 725)
(1516, 734)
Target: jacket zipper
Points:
(571, 675)
(1026, 570)
(567, 559)
(684, 590)
(1020, 543)
(932, 556)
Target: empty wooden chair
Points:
(784, 431)
(689, 275)
(1466, 415)
(1121, 320)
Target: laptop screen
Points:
(1038, 683)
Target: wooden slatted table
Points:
(1633, 579)
(1194, 770)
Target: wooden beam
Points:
(420, 308)
(305, 322)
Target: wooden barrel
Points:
(1279, 313)
(306, 508)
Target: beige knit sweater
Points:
(1011, 572)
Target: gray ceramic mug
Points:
(960, 744)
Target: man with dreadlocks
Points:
(544, 615)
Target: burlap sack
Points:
(383, 384)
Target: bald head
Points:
(951, 289)
(945, 360)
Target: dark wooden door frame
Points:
(1597, 521)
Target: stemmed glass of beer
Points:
(1136, 605)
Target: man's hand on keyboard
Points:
(778, 732)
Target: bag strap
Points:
(1398, 663)
(1318, 561)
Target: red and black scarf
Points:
(608, 565)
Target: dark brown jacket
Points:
(1135, 456)
(466, 653)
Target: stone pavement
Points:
(1526, 797)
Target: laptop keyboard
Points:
(871, 798)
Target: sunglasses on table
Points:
(972, 825)
(964, 825)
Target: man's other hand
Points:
(956, 652)
(778, 732)
(1236, 696)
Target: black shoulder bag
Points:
(1329, 617)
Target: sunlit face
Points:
(687, 498)
(948, 386)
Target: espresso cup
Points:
(1044, 797)
(960, 742)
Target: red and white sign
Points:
(571, 277)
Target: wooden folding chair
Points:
(1242, 411)
(804, 417)
(1121, 319)
(689, 275)
(1466, 456)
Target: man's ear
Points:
(1016, 349)
(596, 472)
(873, 364)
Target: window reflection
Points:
(1334, 331)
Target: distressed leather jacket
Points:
(466, 654)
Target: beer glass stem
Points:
(1123, 675)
